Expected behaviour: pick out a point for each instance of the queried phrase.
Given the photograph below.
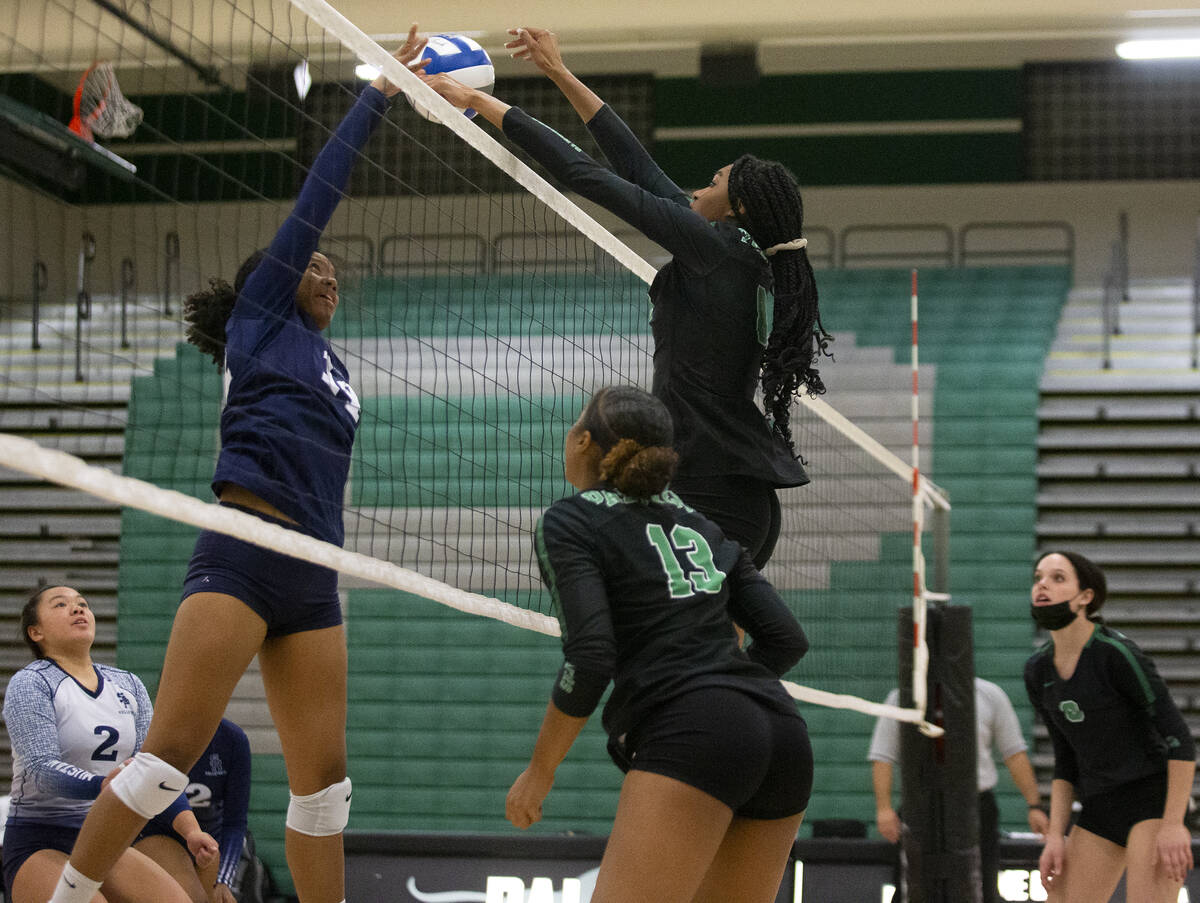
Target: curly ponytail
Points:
(767, 203)
(206, 312)
(637, 471)
(633, 429)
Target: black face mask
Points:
(1053, 617)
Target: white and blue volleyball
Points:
(460, 57)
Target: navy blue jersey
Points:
(290, 413)
(647, 594)
(1113, 720)
(219, 791)
(712, 301)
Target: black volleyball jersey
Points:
(647, 594)
(1113, 721)
(712, 302)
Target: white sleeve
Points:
(1006, 729)
(885, 740)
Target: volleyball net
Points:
(480, 307)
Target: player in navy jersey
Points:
(718, 761)
(219, 793)
(72, 723)
(718, 332)
(286, 432)
(1121, 748)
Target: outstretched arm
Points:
(625, 153)
(685, 234)
(540, 47)
(272, 286)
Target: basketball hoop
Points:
(101, 108)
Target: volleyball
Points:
(463, 58)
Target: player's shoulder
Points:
(40, 673)
(231, 732)
(121, 678)
(1111, 643)
(988, 688)
(1040, 658)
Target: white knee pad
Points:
(147, 784)
(322, 813)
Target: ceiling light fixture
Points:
(1159, 49)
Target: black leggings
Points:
(746, 510)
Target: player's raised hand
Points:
(409, 54)
(537, 45)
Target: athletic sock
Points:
(74, 887)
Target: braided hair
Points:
(634, 432)
(766, 201)
(206, 312)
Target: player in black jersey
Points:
(287, 430)
(1120, 746)
(718, 332)
(718, 761)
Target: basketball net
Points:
(100, 107)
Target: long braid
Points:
(767, 202)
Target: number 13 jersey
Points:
(646, 594)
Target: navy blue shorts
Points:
(290, 594)
(1113, 814)
(154, 828)
(755, 759)
(23, 839)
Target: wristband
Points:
(1037, 805)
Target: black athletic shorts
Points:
(24, 838)
(290, 594)
(747, 510)
(1113, 814)
(754, 759)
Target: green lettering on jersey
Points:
(567, 682)
(766, 315)
(703, 577)
(1071, 710)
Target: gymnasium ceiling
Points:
(664, 36)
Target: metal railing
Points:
(170, 270)
(83, 298)
(940, 254)
(41, 280)
(128, 291)
(1115, 289)
(1063, 252)
(1196, 301)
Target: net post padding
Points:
(939, 778)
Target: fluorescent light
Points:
(366, 73)
(1164, 49)
(1163, 13)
